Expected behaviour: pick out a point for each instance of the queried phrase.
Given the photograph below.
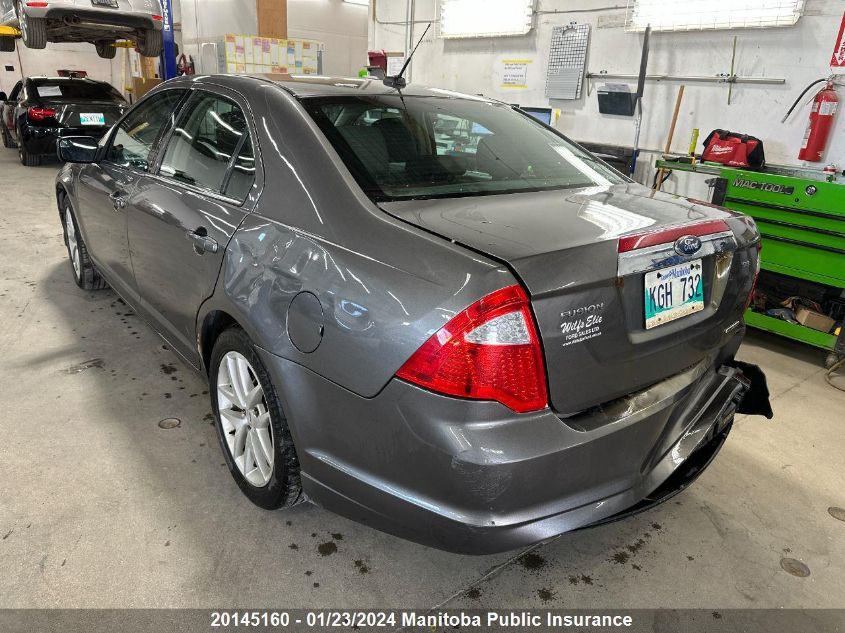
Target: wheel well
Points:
(213, 325)
(61, 193)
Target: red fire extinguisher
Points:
(821, 120)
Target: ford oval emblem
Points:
(687, 245)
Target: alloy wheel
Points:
(72, 244)
(245, 419)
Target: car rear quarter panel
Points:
(383, 286)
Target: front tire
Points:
(105, 49)
(84, 273)
(251, 426)
(33, 30)
(150, 42)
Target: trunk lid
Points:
(85, 114)
(589, 298)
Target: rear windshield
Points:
(72, 89)
(433, 147)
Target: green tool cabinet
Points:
(801, 217)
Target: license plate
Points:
(672, 293)
(105, 3)
(92, 118)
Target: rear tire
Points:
(150, 42)
(84, 273)
(27, 159)
(235, 369)
(7, 44)
(33, 30)
(105, 49)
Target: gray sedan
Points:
(474, 345)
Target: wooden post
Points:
(272, 18)
(659, 182)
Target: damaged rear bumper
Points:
(473, 477)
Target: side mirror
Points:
(4, 96)
(77, 149)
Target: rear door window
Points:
(210, 147)
(242, 175)
(135, 138)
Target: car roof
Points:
(325, 86)
(78, 79)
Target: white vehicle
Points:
(100, 22)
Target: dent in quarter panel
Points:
(375, 313)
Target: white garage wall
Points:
(799, 54)
(341, 26)
(55, 57)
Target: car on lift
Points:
(475, 352)
(101, 22)
(40, 110)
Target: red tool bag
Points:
(735, 150)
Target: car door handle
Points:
(118, 200)
(202, 242)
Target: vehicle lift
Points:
(168, 54)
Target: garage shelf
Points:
(786, 329)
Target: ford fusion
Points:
(423, 310)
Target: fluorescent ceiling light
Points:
(485, 18)
(363, 3)
(700, 15)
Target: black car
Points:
(40, 110)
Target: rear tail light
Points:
(36, 5)
(40, 114)
(157, 18)
(663, 236)
(489, 351)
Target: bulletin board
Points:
(253, 54)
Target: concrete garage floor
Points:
(99, 507)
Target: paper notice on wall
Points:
(837, 60)
(514, 73)
(230, 47)
(394, 64)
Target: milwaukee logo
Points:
(769, 187)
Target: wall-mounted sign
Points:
(515, 73)
(837, 60)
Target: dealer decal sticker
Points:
(581, 324)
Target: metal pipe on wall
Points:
(409, 34)
(718, 79)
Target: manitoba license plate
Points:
(672, 293)
(92, 118)
(105, 3)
